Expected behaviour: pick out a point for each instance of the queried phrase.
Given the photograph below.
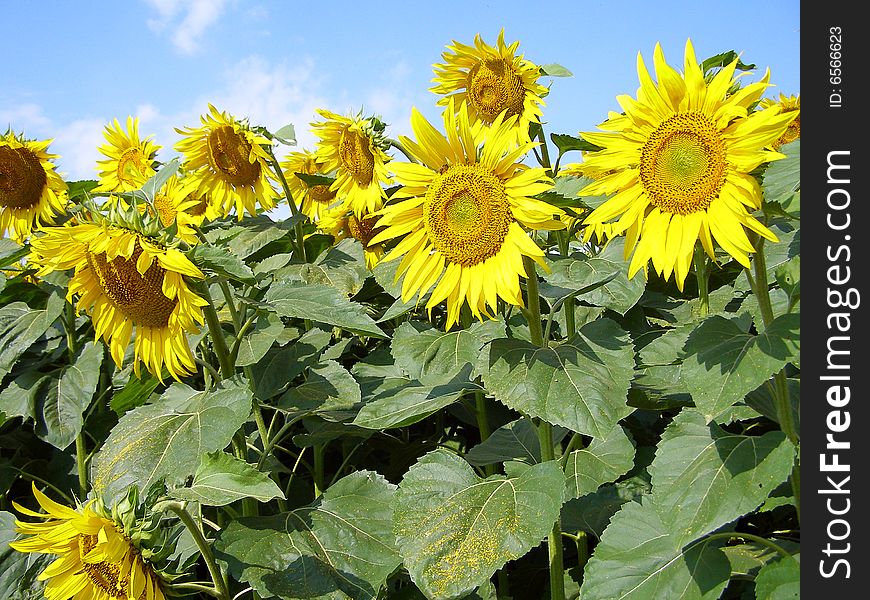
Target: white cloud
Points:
(76, 143)
(196, 16)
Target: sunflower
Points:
(125, 279)
(96, 559)
(492, 80)
(463, 214)
(680, 160)
(174, 204)
(341, 224)
(131, 161)
(225, 160)
(315, 200)
(353, 148)
(31, 191)
(786, 104)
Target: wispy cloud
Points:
(187, 20)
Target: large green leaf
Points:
(705, 477)
(339, 547)
(515, 441)
(329, 388)
(780, 580)
(256, 343)
(252, 234)
(724, 362)
(223, 262)
(621, 293)
(577, 275)
(274, 372)
(19, 570)
(134, 393)
(323, 303)
(20, 397)
(342, 267)
(401, 401)
(604, 460)
(454, 530)
(222, 479)
(165, 440)
(69, 395)
(580, 384)
(639, 558)
(782, 180)
(20, 326)
(434, 356)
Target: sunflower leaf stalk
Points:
(217, 577)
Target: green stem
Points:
(582, 543)
(319, 451)
(196, 587)
(784, 415)
(216, 576)
(703, 280)
(398, 146)
(228, 297)
(753, 538)
(534, 302)
(218, 341)
(240, 451)
(294, 210)
(82, 464)
(69, 323)
(240, 334)
(554, 538)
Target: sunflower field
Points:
(482, 361)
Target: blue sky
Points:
(71, 67)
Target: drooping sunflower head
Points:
(492, 80)
(314, 198)
(96, 558)
(130, 161)
(678, 162)
(462, 215)
(341, 224)
(31, 192)
(226, 161)
(128, 283)
(786, 104)
(353, 147)
(175, 205)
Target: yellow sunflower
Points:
(491, 80)
(341, 224)
(462, 215)
(124, 279)
(96, 559)
(174, 204)
(226, 161)
(130, 162)
(786, 104)
(680, 160)
(352, 148)
(31, 192)
(315, 200)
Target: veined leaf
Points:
(454, 530)
(222, 479)
(580, 384)
(21, 326)
(516, 441)
(603, 461)
(67, 398)
(339, 547)
(165, 440)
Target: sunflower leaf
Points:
(222, 479)
(165, 440)
(581, 384)
(341, 546)
(782, 180)
(555, 70)
(605, 459)
(454, 530)
(21, 326)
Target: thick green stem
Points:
(82, 464)
(294, 210)
(545, 435)
(217, 577)
(703, 280)
(319, 451)
(218, 341)
(784, 415)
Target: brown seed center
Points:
(140, 298)
(228, 155)
(494, 86)
(356, 156)
(321, 194)
(22, 178)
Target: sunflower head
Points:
(353, 148)
(678, 164)
(786, 104)
(315, 197)
(130, 284)
(130, 161)
(492, 80)
(225, 160)
(31, 192)
(342, 224)
(463, 212)
(97, 557)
